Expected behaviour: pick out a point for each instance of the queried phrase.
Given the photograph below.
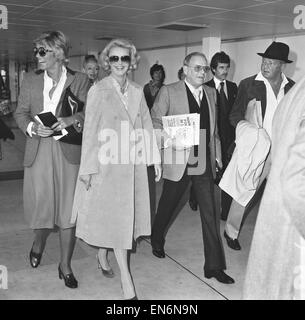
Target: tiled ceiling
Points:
(86, 21)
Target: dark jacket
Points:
(225, 129)
(249, 89)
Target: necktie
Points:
(222, 96)
(198, 97)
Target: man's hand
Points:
(158, 172)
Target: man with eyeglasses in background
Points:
(268, 87)
(183, 97)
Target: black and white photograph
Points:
(152, 150)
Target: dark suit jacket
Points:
(249, 89)
(30, 102)
(172, 100)
(227, 132)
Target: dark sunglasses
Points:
(126, 59)
(41, 51)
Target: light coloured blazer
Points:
(30, 103)
(172, 100)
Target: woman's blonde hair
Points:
(57, 41)
(121, 43)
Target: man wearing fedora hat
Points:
(267, 87)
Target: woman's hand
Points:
(86, 179)
(158, 172)
(62, 123)
(41, 130)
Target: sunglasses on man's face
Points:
(41, 51)
(199, 68)
(125, 59)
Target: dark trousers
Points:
(204, 190)
(152, 191)
(226, 201)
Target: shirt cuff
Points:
(29, 128)
(167, 143)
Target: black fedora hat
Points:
(278, 51)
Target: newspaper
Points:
(183, 127)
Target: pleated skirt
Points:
(49, 186)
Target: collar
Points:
(192, 88)
(260, 77)
(217, 82)
(118, 87)
(63, 74)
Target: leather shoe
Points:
(35, 258)
(69, 279)
(158, 253)
(219, 275)
(193, 204)
(232, 243)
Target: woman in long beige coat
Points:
(111, 201)
(275, 268)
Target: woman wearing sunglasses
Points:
(112, 198)
(51, 158)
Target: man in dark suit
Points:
(268, 87)
(226, 94)
(179, 98)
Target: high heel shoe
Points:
(69, 279)
(35, 258)
(133, 298)
(107, 273)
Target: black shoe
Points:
(219, 275)
(69, 279)
(158, 253)
(232, 243)
(35, 258)
(193, 204)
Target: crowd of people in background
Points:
(252, 132)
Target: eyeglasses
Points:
(41, 51)
(125, 59)
(198, 68)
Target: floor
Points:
(177, 277)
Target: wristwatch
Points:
(78, 125)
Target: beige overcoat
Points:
(274, 266)
(115, 210)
